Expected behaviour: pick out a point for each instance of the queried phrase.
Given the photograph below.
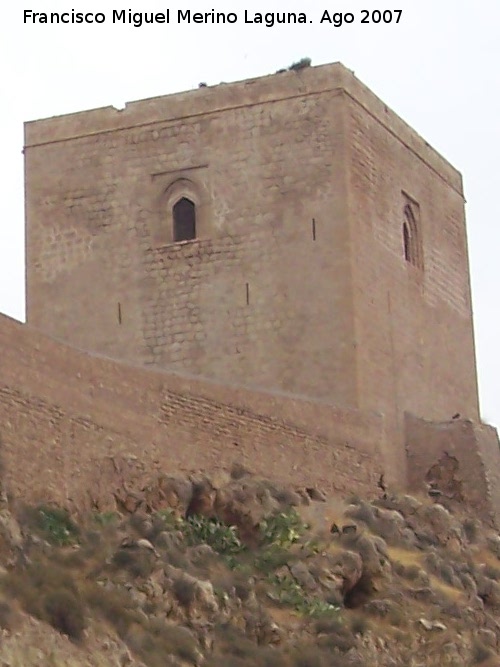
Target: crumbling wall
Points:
(459, 459)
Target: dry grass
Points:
(485, 557)
(51, 594)
(453, 594)
(404, 556)
(37, 645)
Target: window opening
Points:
(406, 241)
(411, 238)
(184, 220)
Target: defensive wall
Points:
(461, 458)
(75, 427)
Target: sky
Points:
(438, 67)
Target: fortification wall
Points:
(460, 458)
(75, 427)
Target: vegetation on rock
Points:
(243, 572)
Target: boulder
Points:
(195, 595)
(338, 572)
(202, 499)
(303, 577)
(10, 532)
(168, 492)
(245, 503)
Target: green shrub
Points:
(300, 64)
(288, 592)
(54, 524)
(169, 519)
(223, 539)
(105, 518)
(282, 529)
(272, 558)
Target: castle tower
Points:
(289, 232)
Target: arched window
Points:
(184, 216)
(406, 241)
(412, 242)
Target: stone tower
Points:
(289, 232)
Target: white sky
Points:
(438, 69)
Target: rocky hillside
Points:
(239, 571)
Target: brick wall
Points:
(462, 457)
(75, 426)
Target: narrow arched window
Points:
(407, 241)
(412, 241)
(184, 215)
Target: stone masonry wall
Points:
(413, 321)
(297, 280)
(460, 458)
(262, 297)
(74, 427)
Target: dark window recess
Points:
(119, 313)
(412, 242)
(184, 220)
(314, 229)
(247, 287)
(406, 241)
